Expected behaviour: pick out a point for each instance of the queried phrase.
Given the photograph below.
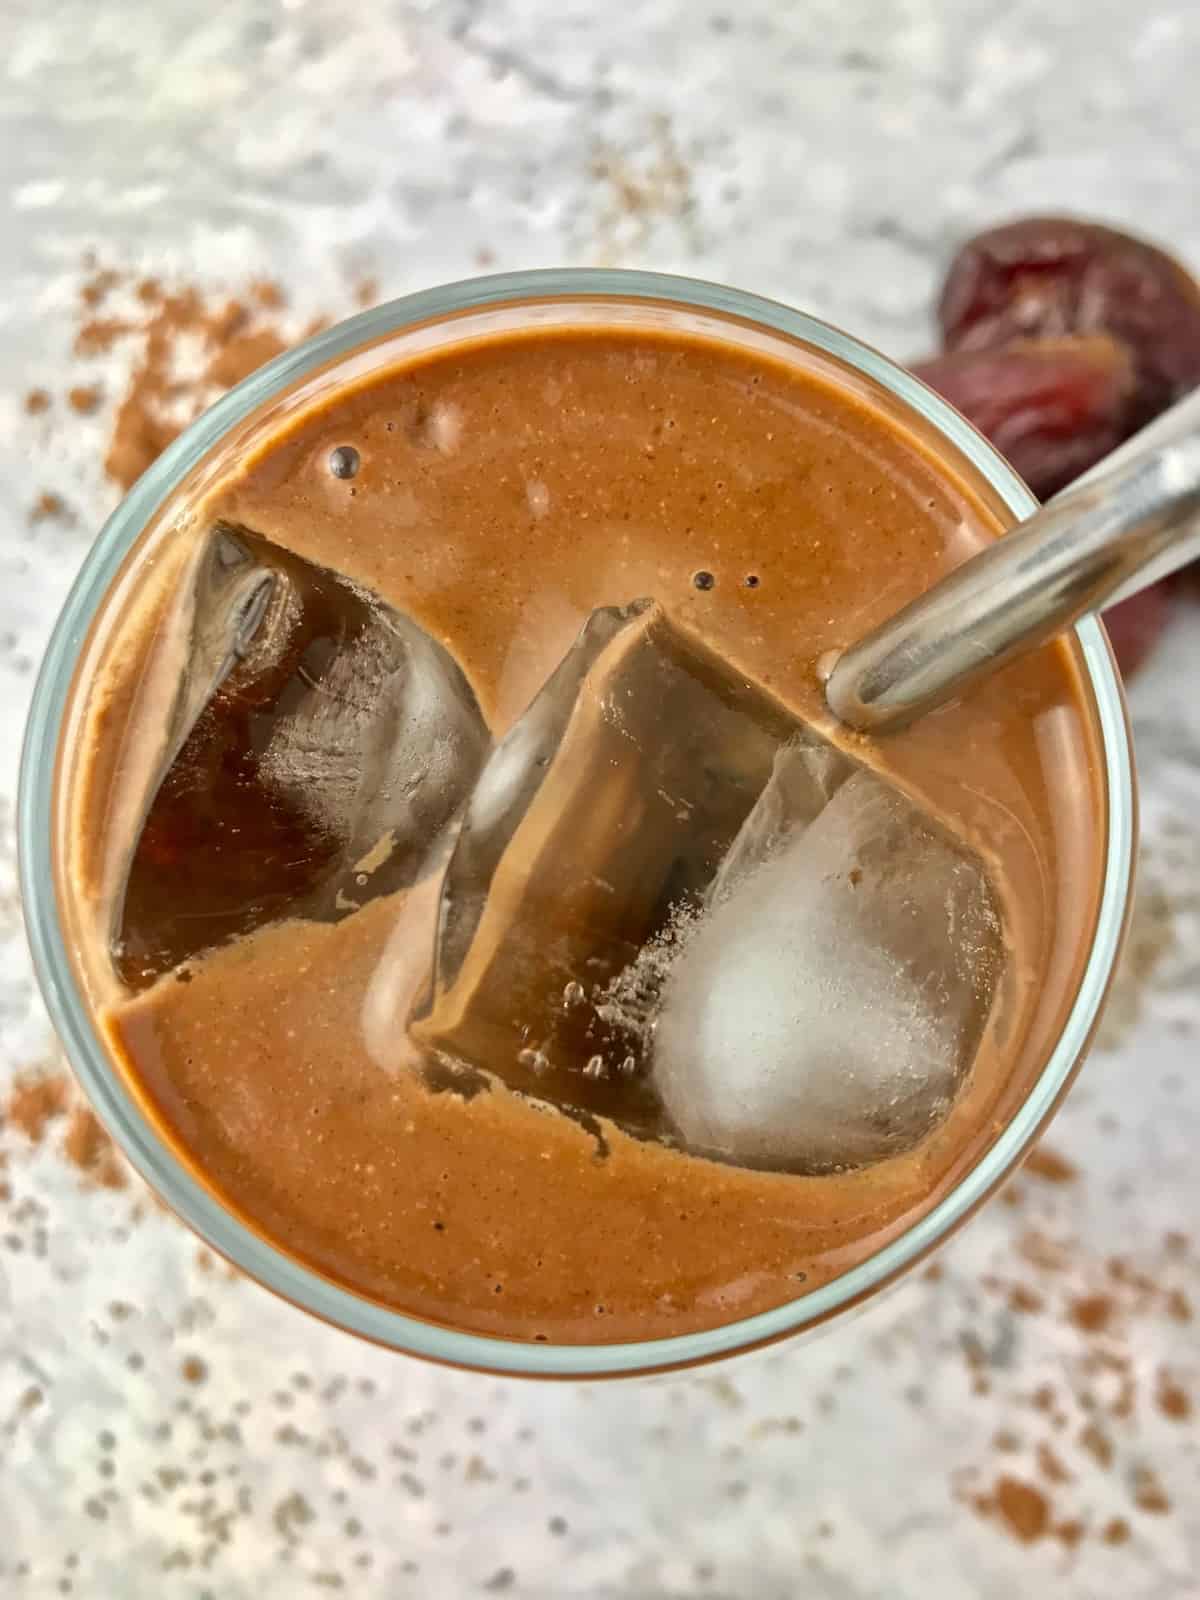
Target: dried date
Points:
(1135, 625)
(1049, 277)
(1053, 407)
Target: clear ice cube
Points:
(309, 744)
(602, 815)
(831, 1000)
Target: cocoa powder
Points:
(34, 1101)
(96, 289)
(1173, 1399)
(98, 335)
(236, 335)
(1091, 1313)
(90, 1149)
(1023, 1509)
(1097, 1444)
(83, 398)
(1046, 1163)
(48, 506)
(43, 1096)
(1148, 1493)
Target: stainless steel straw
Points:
(1131, 520)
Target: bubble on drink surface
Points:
(830, 1002)
(344, 461)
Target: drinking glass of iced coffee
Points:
(448, 881)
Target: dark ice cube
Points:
(317, 741)
(603, 814)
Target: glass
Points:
(294, 381)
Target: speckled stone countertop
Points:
(1017, 1419)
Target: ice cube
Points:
(605, 811)
(311, 742)
(831, 1000)
(806, 774)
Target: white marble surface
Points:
(827, 153)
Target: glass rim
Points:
(148, 1151)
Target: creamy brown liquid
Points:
(505, 490)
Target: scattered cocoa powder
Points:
(144, 425)
(193, 1370)
(366, 292)
(229, 320)
(1069, 1533)
(1123, 1406)
(85, 1139)
(1043, 1252)
(1050, 1466)
(35, 1099)
(1120, 1271)
(243, 355)
(96, 289)
(42, 1096)
(269, 294)
(1097, 1444)
(1115, 1531)
(1024, 1299)
(111, 1172)
(84, 398)
(89, 1148)
(1043, 1398)
(976, 1359)
(1173, 1399)
(1024, 1509)
(138, 438)
(98, 335)
(47, 506)
(1091, 1313)
(236, 336)
(1179, 1307)
(1148, 1493)
(36, 402)
(1043, 1162)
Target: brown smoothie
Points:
(496, 494)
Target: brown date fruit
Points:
(1049, 277)
(1054, 407)
(1135, 624)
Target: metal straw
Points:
(1131, 520)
